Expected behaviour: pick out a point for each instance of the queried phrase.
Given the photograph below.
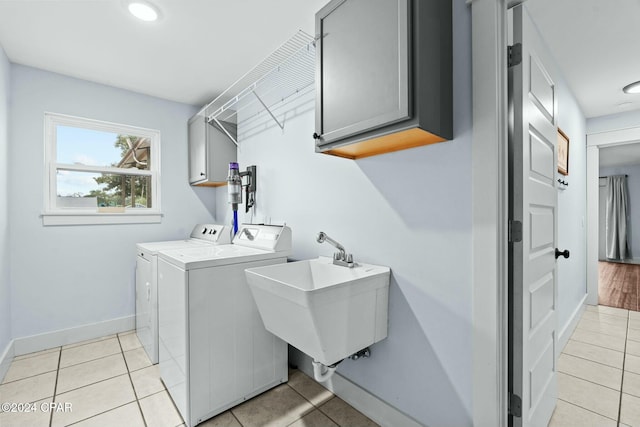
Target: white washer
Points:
(214, 349)
(147, 279)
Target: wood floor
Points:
(618, 285)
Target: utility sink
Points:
(327, 311)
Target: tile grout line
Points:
(98, 414)
(59, 368)
(571, 338)
(312, 404)
(236, 418)
(27, 356)
(624, 359)
(55, 386)
(591, 360)
(89, 361)
(301, 395)
(587, 409)
(589, 381)
(30, 376)
(608, 348)
(329, 416)
(609, 334)
(144, 420)
(165, 390)
(87, 342)
(92, 384)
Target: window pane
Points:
(98, 148)
(92, 190)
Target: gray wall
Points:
(633, 186)
(613, 122)
(68, 276)
(5, 294)
(409, 210)
(572, 208)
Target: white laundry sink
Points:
(327, 311)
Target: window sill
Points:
(99, 218)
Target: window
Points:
(99, 172)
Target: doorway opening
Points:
(613, 211)
(619, 226)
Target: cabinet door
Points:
(221, 151)
(362, 72)
(197, 149)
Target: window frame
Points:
(54, 215)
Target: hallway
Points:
(599, 371)
(619, 285)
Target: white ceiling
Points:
(196, 50)
(200, 47)
(595, 43)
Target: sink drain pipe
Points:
(322, 372)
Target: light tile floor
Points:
(599, 371)
(111, 382)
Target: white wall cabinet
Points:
(210, 152)
(383, 76)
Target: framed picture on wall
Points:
(563, 153)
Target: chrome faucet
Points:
(341, 257)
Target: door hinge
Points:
(515, 405)
(514, 54)
(515, 231)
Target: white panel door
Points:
(533, 203)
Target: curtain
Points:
(616, 219)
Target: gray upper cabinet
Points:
(210, 152)
(383, 75)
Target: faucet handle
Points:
(349, 258)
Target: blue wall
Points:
(5, 294)
(572, 208)
(68, 276)
(409, 210)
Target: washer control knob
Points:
(204, 231)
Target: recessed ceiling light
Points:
(632, 88)
(143, 10)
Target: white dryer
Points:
(214, 349)
(147, 279)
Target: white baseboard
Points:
(371, 406)
(5, 359)
(76, 334)
(570, 326)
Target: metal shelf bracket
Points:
(215, 119)
(268, 110)
(286, 73)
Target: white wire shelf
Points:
(286, 72)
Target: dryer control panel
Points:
(275, 238)
(212, 233)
